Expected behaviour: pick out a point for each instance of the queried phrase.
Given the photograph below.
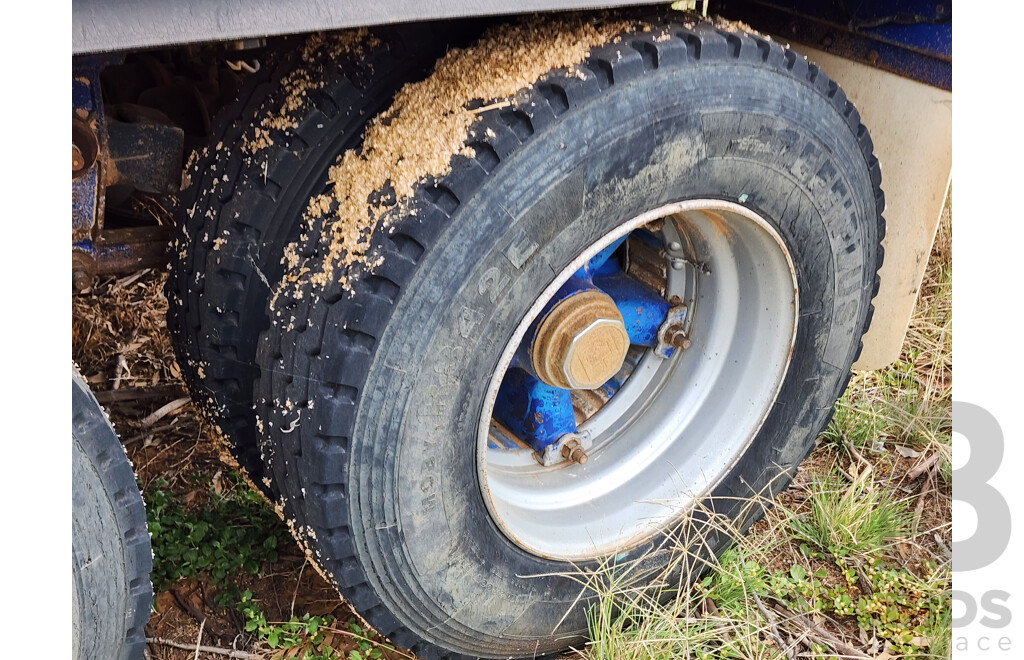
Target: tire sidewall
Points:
(98, 564)
(735, 132)
(110, 547)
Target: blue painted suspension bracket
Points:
(643, 310)
(536, 412)
(539, 414)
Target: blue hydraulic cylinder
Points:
(602, 262)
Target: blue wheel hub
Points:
(542, 410)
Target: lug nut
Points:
(676, 337)
(677, 264)
(675, 246)
(572, 451)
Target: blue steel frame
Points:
(87, 190)
(93, 249)
(911, 38)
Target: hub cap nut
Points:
(581, 343)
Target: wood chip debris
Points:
(427, 124)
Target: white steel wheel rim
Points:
(678, 425)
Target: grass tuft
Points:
(851, 519)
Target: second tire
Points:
(245, 199)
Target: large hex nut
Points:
(581, 343)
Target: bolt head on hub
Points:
(595, 354)
(77, 159)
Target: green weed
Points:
(227, 533)
(310, 635)
(741, 608)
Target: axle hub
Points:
(581, 343)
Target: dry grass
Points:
(910, 403)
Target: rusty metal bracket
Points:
(145, 154)
(118, 251)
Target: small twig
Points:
(857, 455)
(160, 453)
(923, 466)
(298, 581)
(125, 281)
(259, 272)
(139, 393)
(945, 549)
(363, 638)
(921, 493)
(862, 579)
(822, 635)
(163, 411)
(787, 649)
(493, 106)
(149, 432)
(122, 366)
(244, 655)
(184, 604)
(199, 638)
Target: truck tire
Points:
(111, 555)
(244, 199)
(383, 396)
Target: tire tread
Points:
(436, 202)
